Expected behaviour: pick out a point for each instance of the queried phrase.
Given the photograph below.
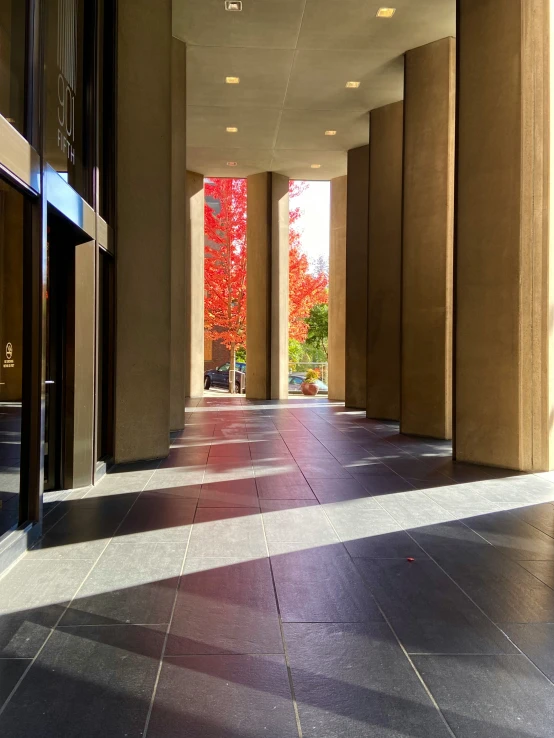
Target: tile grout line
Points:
(168, 629)
(111, 625)
(43, 533)
(463, 522)
(315, 437)
(459, 655)
(281, 629)
(277, 601)
(380, 460)
(466, 594)
(485, 500)
(454, 482)
(519, 563)
(531, 525)
(53, 628)
(400, 644)
(166, 638)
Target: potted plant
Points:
(309, 385)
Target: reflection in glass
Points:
(67, 116)
(13, 20)
(11, 352)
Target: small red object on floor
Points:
(410, 559)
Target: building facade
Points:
(102, 238)
(57, 246)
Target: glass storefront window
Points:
(13, 34)
(11, 353)
(69, 112)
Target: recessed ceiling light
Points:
(316, 166)
(231, 129)
(231, 163)
(330, 133)
(232, 80)
(352, 85)
(235, 5)
(386, 12)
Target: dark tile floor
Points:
(260, 582)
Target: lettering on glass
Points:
(67, 76)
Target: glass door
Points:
(11, 354)
(60, 309)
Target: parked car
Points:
(220, 377)
(296, 379)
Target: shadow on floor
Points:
(286, 567)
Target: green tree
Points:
(296, 352)
(318, 329)
(314, 355)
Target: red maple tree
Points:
(226, 262)
(305, 289)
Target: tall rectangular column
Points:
(428, 228)
(384, 276)
(143, 292)
(178, 232)
(267, 253)
(79, 431)
(280, 287)
(194, 287)
(356, 277)
(504, 346)
(337, 290)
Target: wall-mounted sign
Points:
(67, 76)
(9, 362)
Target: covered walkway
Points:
(292, 569)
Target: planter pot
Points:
(309, 389)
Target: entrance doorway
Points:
(60, 317)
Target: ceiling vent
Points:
(233, 5)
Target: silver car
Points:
(296, 379)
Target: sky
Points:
(314, 222)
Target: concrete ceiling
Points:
(294, 58)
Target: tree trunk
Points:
(232, 369)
